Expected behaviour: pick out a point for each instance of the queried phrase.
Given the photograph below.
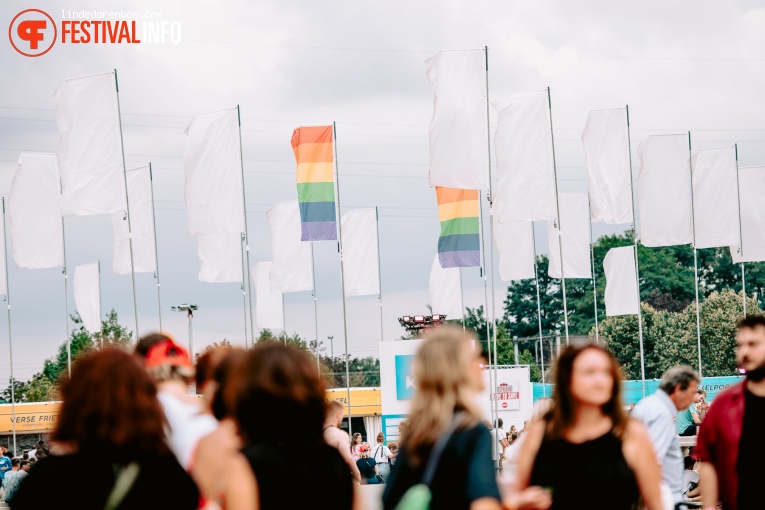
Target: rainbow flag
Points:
(315, 182)
(459, 244)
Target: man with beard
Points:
(729, 443)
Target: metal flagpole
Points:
(539, 302)
(491, 243)
(10, 341)
(592, 264)
(695, 257)
(379, 274)
(740, 233)
(315, 311)
(342, 279)
(245, 235)
(558, 226)
(284, 320)
(127, 205)
(101, 333)
(66, 296)
(156, 252)
(462, 302)
(637, 265)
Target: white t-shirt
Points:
(381, 454)
(497, 435)
(688, 477)
(187, 425)
(31, 454)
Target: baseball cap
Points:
(167, 352)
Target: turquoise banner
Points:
(632, 391)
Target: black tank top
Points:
(592, 475)
(289, 477)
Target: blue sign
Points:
(404, 377)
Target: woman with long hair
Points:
(278, 401)
(585, 452)
(110, 430)
(445, 422)
(356, 446)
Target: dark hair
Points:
(498, 423)
(41, 442)
(24, 463)
(15, 461)
(147, 342)
(563, 411)
(206, 365)
(110, 404)
(688, 462)
(282, 381)
(751, 321)
(222, 375)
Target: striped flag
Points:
(315, 182)
(459, 244)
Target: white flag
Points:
(575, 223)
(664, 191)
(87, 296)
(445, 291)
(142, 226)
(715, 198)
(212, 166)
(525, 175)
(607, 152)
(457, 134)
(360, 262)
(752, 187)
(292, 264)
(33, 213)
(269, 307)
(621, 294)
(515, 246)
(90, 147)
(220, 258)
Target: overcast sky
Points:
(684, 65)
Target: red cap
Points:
(167, 352)
(364, 448)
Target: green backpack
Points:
(418, 496)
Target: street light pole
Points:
(189, 309)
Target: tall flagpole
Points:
(284, 320)
(740, 233)
(315, 311)
(695, 256)
(539, 301)
(462, 302)
(637, 265)
(592, 266)
(127, 205)
(342, 279)
(558, 226)
(10, 341)
(379, 274)
(156, 252)
(100, 311)
(245, 235)
(491, 235)
(66, 295)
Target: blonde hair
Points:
(443, 381)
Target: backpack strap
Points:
(122, 485)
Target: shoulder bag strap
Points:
(438, 449)
(122, 485)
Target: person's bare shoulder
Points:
(336, 437)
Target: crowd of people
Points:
(262, 436)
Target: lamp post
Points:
(189, 309)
